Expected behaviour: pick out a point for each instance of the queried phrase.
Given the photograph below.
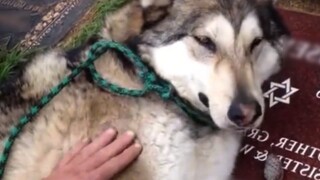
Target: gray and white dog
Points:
(215, 53)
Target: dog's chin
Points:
(229, 126)
(254, 125)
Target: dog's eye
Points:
(255, 43)
(206, 42)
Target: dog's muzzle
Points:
(244, 114)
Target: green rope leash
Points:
(151, 84)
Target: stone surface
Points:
(307, 6)
(296, 121)
(38, 23)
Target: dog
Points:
(215, 53)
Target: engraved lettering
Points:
(297, 164)
(264, 136)
(246, 149)
(286, 163)
(302, 149)
(282, 143)
(253, 133)
(291, 145)
(314, 150)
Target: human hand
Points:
(101, 159)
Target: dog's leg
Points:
(33, 77)
(29, 81)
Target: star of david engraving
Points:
(289, 91)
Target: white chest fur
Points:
(177, 155)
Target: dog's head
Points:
(217, 54)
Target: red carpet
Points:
(292, 126)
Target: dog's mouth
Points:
(199, 116)
(239, 127)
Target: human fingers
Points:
(118, 163)
(113, 149)
(74, 152)
(103, 140)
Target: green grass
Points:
(10, 58)
(101, 8)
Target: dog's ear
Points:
(154, 11)
(124, 23)
(155, 3)
(136, 16)
(267, 1)
(271, 20)
(272, 24)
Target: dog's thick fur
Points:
(169, 37)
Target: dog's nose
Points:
(244, 114)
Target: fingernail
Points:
(136, 145)
(86, 140)
(111, 131)
(130, 133)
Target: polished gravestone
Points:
(32, 23)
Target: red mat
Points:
(291, 129)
